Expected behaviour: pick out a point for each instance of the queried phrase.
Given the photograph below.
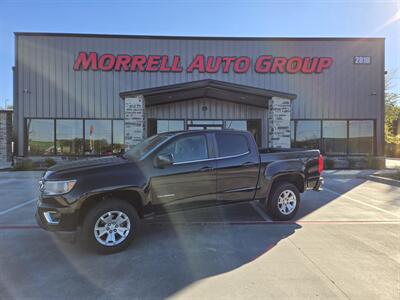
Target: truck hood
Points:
(83, 165)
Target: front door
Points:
(191, 178)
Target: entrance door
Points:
(205, 124)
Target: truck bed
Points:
(272, 154)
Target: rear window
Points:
(231, 144)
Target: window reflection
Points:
(118, 136)
(40, 136)
(230, 144)
(292, 143)
(188, 148)
(334, 137)
(69, 137)
(98, 137)
(308, 134)
(236, 124)
(361, 137)
(169, 125)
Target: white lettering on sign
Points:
(362, 60)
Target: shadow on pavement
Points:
(163, 260)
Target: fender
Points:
(277, 169)
(113, 190)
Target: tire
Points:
(284, 203)
(117, 223)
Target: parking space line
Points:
(3, 212)
(19, 226)
(260, 211)
(235, 223)
(361, 202)
(7, 181)
(311, 222)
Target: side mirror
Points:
(164, 160)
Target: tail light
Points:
(320, 164)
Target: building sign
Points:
(362, 60)
(203, 64)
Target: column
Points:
(279, 110)
(134, 121)
(5, 135)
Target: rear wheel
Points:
(284, 201)
(110, 226)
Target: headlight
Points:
(58, 187)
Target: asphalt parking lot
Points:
(344, 243)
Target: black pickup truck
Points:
(104, 199)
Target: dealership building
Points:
(84, 94)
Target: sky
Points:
(252, 18)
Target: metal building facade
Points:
(47, 86)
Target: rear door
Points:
(237, 166)
(192, 176)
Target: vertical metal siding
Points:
(44, 68)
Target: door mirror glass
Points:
(164, 160)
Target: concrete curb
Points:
(383, 180)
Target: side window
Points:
(188, 148)
(231, 144)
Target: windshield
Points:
(146, 146)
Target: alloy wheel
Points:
(112, 228)
(287, 202)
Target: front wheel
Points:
(110, 226)
(284, 202)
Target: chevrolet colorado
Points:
(104, 199)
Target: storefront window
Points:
(334, 137)
(308, 134)
(69, 137)
(361, 137)
(40, 136)
(292, 142)
(236, 124)
(151, 127)
(205, 124)
(98, 137)
(118, 136)
(254, 127)
(169, 125)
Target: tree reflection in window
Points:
(69, 137)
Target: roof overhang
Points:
(208, 88)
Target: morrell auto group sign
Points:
(200, 63)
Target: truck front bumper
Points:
(52, 217)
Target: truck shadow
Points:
(174, 256)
